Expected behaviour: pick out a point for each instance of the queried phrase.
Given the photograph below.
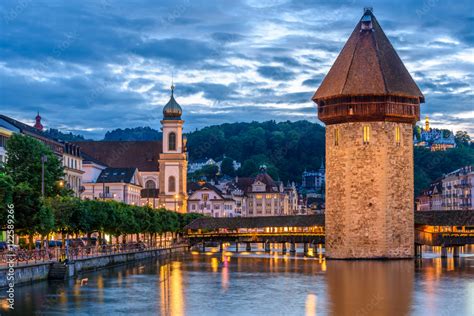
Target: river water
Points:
(259, 283)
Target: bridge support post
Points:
(236, 246)
(267, 246)
(283, 244)
(203, 246)
(444, 252)
(221, 247)
(418, 251)
(456, 251)
(249, 247)
(292, 247)
(305, 248)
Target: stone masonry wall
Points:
(369, 191)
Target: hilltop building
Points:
(369, 103)
(434, 139)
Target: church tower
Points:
(173, 160)
(369, 103)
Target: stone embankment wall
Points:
(40, 271)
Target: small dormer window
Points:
(366, 21)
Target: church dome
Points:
(172, 110)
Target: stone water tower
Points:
(369, 103)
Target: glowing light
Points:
(311, 300)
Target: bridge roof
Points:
(256, 222)
(444, 218)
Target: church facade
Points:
(161, 166)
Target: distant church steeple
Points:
(38, 124)
(427, 124)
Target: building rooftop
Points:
(143, 155)
(116, 175)
(368, 65)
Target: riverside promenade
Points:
(37, 267)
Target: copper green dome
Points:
(172, 110)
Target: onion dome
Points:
(172, 110)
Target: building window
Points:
(172, 141)
(150, 184)
(397, 135)
(366, 134)
(171, 184)
(336, 137)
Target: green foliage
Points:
(24, 164)
(462, 138)
(227, 167)
(430, 166)
(6, 195)
(286, 148)
(137, 133)
(68, 137)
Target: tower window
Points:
(150, 184)
(172, 141)
(171, 184)
(397, 135)
(336, 137)
(366, 138)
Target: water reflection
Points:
(370, 287)
(260, 283)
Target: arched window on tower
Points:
(150, 184)
(172, 141)
(172, 184)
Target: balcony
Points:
(106, 195)
(149, 193)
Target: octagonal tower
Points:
(369, 103)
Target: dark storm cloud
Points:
(91, 66)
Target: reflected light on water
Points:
(311, 300)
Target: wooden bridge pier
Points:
(267, 246)
(444, 252)
(283, 246)
(292, 247)
(248, 247)
(456, 251)
(418, 250)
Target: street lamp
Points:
(44, 158)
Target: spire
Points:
(38, 124)
(427, 123)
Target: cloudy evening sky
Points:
(93, 66)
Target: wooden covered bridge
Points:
(448, 229)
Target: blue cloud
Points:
(82, 63)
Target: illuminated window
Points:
(171, 184)
(336, 137)
(258, 196)
(172, 141)
(366, 134)
(268, 196)
(397, 135)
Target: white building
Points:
(118, 184)
(204, 198)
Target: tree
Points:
(27, 203)
(249, 168)
(210, 171)
(6, 196)
(462, 138)
(24, 164)
(227, 167)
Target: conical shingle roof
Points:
(368, 65)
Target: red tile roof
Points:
(368, 65)
(143, 155)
